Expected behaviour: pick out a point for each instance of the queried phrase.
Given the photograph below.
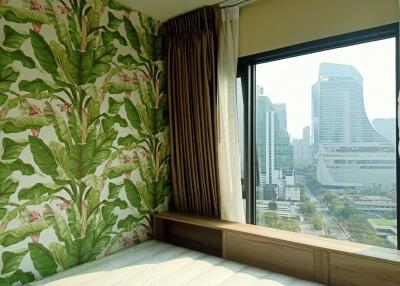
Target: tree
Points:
(316, 222)
(272, 206)
(347, 212)
(307, 208)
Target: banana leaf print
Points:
(83, 133)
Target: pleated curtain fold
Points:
(232, 207)
(192, 80)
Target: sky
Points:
(289, 80)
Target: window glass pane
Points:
(325, 143)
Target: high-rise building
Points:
(283, 148)
(274, 151)
(297, 146)
(338, 107)
(301, 147)
(306, 136)
(314, 117)
(265, 139)
(386, 127)
(281, 116)
(349, 150)
(305, 145)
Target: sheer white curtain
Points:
(228, 145)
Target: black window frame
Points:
(246, 71)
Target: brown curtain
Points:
(192, 51)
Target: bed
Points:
(159, 263)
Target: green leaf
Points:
(93, 109)
(61, 157)
(113, 190)
(43, 53)
(103, 145)
(7, 188)
(22, 15)
(61, 128)
(74, 220)
(43, 156)
(119, 87)
(3, 98)
(20, 233)
(109, 206)
(129, 222)
(37, 191)
(18, 276)
(12, 260)
(133, 114)
(59, 224)
(42, 259)
(87, 66)
(22, 123)
(127, 60)
(158, 120)
(80, 160)
(85, 158)
(113, 22)
(7, 77)
(117, 5)
(59, 24)
(132, 34)
(132, 193)
(101, 235)
(117, 171)
(129, 140)
(109, 121)
(12, 149)
(3, 212)
(114, 106)
(60, 255)
(97, 238)
(35, 86)
(13, 39)
(109, 36)
(7, 58)
(6, 169)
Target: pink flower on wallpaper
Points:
(144, 76)
(64, 204)
(34, 110)
(127, 159)
(126, 77)
(64, 106)
(35, 237)
(127, 241)
(64, 9)
(35, 6)
(141, 232)
(127, 94)
(35, 132)
(34, 216)
(144, 153)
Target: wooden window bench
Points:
(323, 260)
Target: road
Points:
(330, 220)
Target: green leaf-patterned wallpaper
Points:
(83, 134)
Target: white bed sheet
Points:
(158, 263)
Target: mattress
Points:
(158, 263)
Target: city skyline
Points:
(281, 89)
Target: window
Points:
(318, 133)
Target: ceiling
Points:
(167, 9)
